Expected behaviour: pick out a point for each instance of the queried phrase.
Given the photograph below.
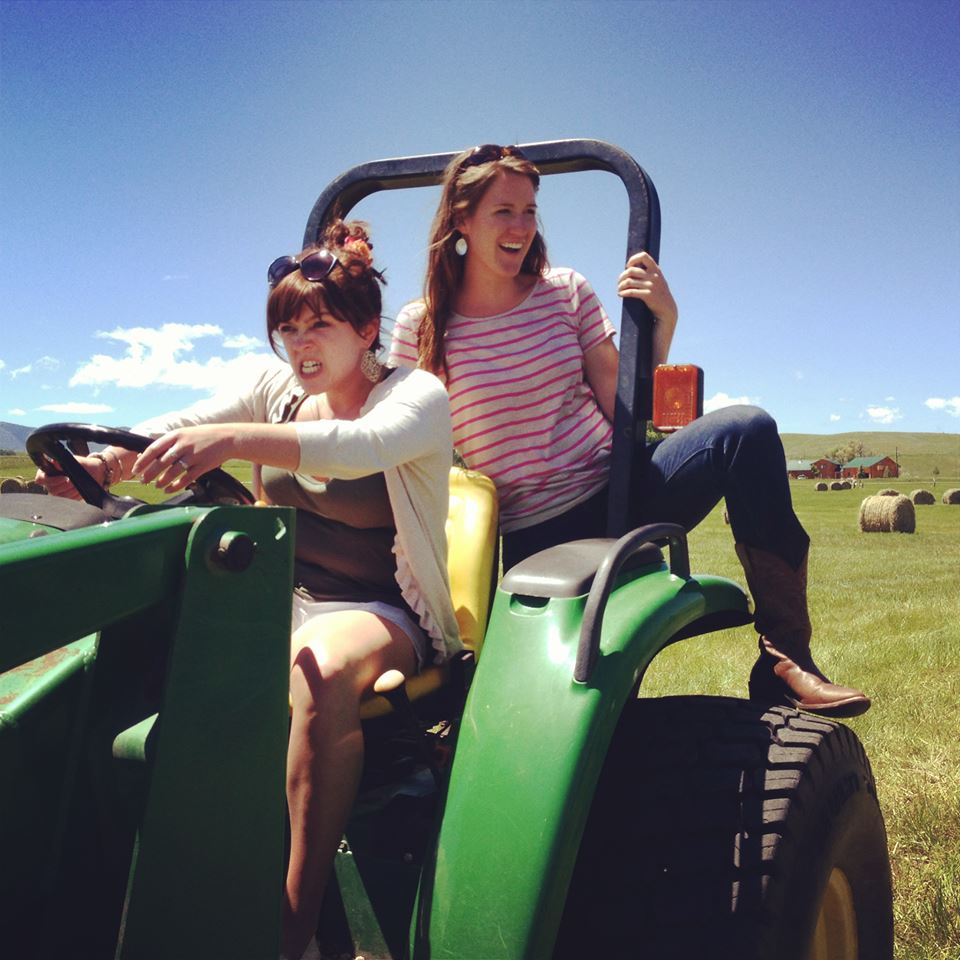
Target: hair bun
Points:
(341, 232)
(350, 240)
(357, 249)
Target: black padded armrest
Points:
(568, 569)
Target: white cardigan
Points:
(404, 431)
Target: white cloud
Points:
(154, 357)
(43, 363)
(242, 342)
(16, 412)
(719, 400)
(2, 365)
(951, 405)
(884, 414)
(834, 417)
(75, 408)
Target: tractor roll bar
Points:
(634, 378)
(603, 584)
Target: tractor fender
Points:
(531, 745)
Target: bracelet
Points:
(107, 469)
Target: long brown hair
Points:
(464, 185)
(350, 292)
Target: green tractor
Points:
(526, 802)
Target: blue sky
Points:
(155, 157)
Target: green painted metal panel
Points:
(25, 687)
(108, 572)
(208, 867)
(40, 708)
(529, 751)
(209, 811)
(13, 531)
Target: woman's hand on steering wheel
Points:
(173, 461)
(59, 485)
(80, 477)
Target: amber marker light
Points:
(677, 396)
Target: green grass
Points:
(886, 615)
(20, 465)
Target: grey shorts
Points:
(305, 610)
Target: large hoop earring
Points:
(370, 366)
(461, 246)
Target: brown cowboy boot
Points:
(785, 671)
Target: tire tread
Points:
(699, 823)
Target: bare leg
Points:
(336, 659)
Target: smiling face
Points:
(501, 228)
(324, 352)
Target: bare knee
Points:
(325, 724)
(321, 684)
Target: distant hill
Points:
(13, 436)
(918, 453)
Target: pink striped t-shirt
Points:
(522, 411)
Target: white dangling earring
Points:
(461, 246)
(370, 366)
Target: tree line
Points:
(848, 451)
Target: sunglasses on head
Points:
(487, 152)
(314, 266)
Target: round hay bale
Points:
(846, 485)
(888, 493)
(887, 514)
(12, 485)
(820, 487)
(34, 487)
(836, 485)
(922, 496)
(951, 496)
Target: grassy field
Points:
(20, 465)
(886, 614)
(917, 453)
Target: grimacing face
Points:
(323, 351)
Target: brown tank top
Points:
(345, 533)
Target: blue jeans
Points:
(733, 453)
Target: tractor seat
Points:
(472, 538)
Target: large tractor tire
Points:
(724, 829)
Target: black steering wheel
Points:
(53, 447)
